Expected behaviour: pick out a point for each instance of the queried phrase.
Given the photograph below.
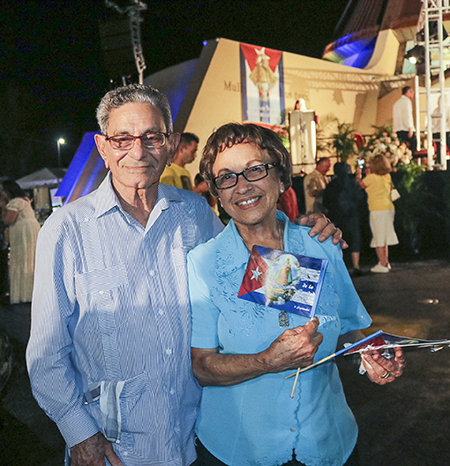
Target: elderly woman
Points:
(241, 351)
(378, 186)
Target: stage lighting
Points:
(416, 55)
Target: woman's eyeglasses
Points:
(228, 180)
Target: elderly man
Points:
(314, 185)
(109, 352)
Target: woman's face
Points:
(248, 203)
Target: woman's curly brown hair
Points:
(234, 133)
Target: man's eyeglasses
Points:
(148, 140)
(258, 172)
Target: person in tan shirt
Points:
(314, 185)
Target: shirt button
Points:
(124, 453)
(161, 312)
(152, 273)
(169, 351)
(172, 391)
(101, 292)
(292, 429)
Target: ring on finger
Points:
(385, 376)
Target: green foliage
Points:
(344, 141)
(411, 173)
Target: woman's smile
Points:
(248, 202)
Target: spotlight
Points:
(416, 55)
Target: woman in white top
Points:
(23, 232)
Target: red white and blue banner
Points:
(283, 280)
(262, 85)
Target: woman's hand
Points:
(382, 370)
(321, 224)
(294, 348)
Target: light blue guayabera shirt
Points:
(110, 315)
(256, 422)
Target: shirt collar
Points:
(240, 253)
(106, 198)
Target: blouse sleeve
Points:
(205, 314)
(352, 312)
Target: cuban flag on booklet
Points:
(283, 280)
(262, 85)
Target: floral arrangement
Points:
(384, 141)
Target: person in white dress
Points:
(23, 231)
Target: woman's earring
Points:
(281, 190)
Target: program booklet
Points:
(386, 341)
(380, 341)
(282, 280)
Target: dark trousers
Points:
(205, 458)
(437, 141)
(412, 142)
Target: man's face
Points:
(138, 167)
(189, 152)
(324, 166)
(410, 93)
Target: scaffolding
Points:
(432, 15)
(134, 14)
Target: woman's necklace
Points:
(280, 234)
(283, 317)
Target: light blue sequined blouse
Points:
(256, 422)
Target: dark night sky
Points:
(51, 73)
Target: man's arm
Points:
(54, 380)
(410, 119)
(323, 227)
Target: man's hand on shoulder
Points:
(323, 227)
(92, 452)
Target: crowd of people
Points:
(125, 275)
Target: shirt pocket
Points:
(133, 406)
(101, 294)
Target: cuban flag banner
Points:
(283, 280)
(262, 85)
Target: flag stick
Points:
(299, 371)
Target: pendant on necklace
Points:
(283, 319)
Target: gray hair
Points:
(133, 93)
